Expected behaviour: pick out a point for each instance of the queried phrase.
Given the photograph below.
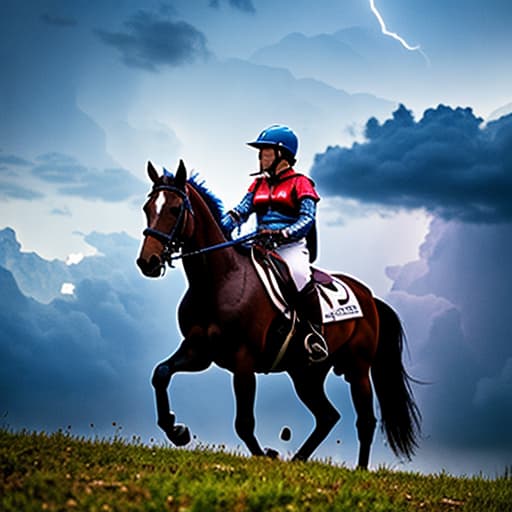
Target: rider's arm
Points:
(239, 214)
(300, 228)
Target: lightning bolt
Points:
(395, 36)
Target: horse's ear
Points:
(181, 175)
(152, 173)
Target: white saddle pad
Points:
(339, 303)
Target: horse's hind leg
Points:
(186, 359)
(310, 389)
(362, 397)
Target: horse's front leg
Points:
(244, 384)
(188, 358)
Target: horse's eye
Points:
(175, 210)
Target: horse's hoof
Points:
(180, 435)
(167, 423)
(271, 453)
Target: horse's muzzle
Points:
(152, 267)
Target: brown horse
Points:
(226, 316)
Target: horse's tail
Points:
(400, 414)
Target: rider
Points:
(285, 205)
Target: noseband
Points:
(170, 242)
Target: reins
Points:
(222, 245)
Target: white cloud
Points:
(67, 289)
(74, 258)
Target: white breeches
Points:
(296, 256)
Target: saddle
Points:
(336, 298)
(276, 276)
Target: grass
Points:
(57, 472)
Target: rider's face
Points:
(267, 156)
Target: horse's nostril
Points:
(154, 262)
(151, 267)
(140, 263)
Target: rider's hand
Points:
(271, 238)
(269, 233)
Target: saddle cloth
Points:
(337, 300)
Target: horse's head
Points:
(169, 220)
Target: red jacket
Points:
(285, 194)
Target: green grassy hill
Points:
(61, 472)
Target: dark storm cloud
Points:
(73, 179)
(454, 303)
(243, 5)
(88, 358)
(150, 42)
(446, 163)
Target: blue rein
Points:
(223, 245)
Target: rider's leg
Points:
(296, 256)
(308, 308)
(307, 305)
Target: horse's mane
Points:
(212, 201)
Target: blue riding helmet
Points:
(277, 136)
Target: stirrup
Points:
(316, 345)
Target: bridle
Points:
(170, 242)
(172, 245)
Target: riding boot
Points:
(308, 310)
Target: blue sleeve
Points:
(240, 213)
(307, 214)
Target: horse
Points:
(225, 317)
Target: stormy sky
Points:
(448, 162)
(410, 150)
